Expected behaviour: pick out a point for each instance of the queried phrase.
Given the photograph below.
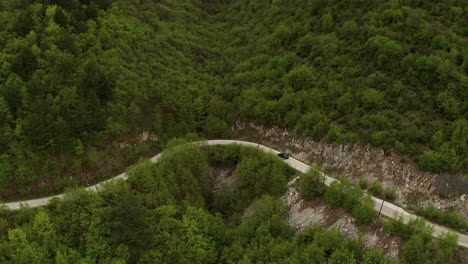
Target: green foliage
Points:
(80, 79)
(373, 99)
(414, 251)
(186, 170)
(448, 104)
(282, 36)
(374, 256)
(300, 78)
(146, 220)
(406, 231)
(352, 199)
(376, 188)
(420, 248)
(311, 184)
(127, 219)
(363, 183)
(215, 128)
(178, 141)
(389, 194)
(25, 63)
(334, 134)
(364, 212)
(256, 174)
(97, 72)
(399, 65)
(223, 155)
(341, 256)
(334, 195)
(265, 173)
(101, 72)
(184, 236)
(451, 218)
(327, 22)
(152, 188)
(313, 124)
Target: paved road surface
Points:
(388, 209)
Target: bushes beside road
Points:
(338, 194)
(450, 219)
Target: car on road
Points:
(283, 155)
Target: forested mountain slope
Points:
(78, 77)
(389, 73)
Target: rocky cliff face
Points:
(359, 161)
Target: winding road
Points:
(388, 209)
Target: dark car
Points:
(283, 155)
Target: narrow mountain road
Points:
(388, 209)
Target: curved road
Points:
(388, 209)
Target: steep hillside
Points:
(389, 73)
(79, 77)
(167, 213)
(81, 82)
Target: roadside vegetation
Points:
(419, 247)
(80, 79)
(449, 218)
(339, 194)
(376, 189)
(165, 212)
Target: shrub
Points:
(363, 184)
(258, 173)
(455, 220)
(223, 155)
(334, 195)
(376, 188)
(374, 256)
(66, 182)
(140, 150)
(415, 250)
(405, 231)
(397, 227)
(364, 212)
(311, 184)
(352, 197)
(214, 127)
(342, 255)
(333, 134)
(92, 157)
(451, 219)
(389, 194)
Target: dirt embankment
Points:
(303, 214)
(358, 161)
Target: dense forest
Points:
(79, 77)
(389, 73)
(170, 213)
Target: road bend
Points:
(385, 208)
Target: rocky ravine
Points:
(358, 161)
